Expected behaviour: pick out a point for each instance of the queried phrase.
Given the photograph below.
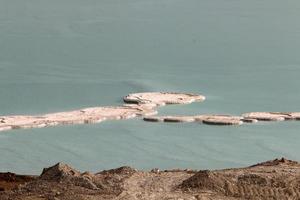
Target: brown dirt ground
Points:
(276, 179)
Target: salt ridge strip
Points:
(139, 104)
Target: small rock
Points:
(155, 170)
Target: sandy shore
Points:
(275, 179)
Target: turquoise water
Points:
(61, 55)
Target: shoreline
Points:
(274, 179)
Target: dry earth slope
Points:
(276, 179)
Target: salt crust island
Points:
(137, 105)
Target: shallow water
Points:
(62, 55)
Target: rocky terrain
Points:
(276, 179)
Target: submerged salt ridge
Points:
(139, 104)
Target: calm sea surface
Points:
(61, 55)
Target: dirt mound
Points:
(277, 162)
(276, 179)
(64, 173)
(58, 171)
(125, 170)
(112, 181)
(204, 180)
(108, 181)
